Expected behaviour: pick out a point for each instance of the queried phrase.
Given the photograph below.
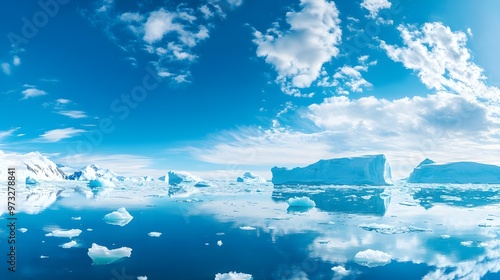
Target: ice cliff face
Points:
(455, 173)
(364, 170)
(32, 165)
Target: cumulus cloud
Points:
(6, 68)
(374, 6)
(348, 78)
(32, 92)
(57, 135)
(169, 34)
(443, 126)
(299, 53)
(442, 61)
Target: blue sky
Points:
(219, 86)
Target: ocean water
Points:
(405, 231)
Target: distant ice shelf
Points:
(364, 170)
(455, 173)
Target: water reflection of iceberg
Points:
(351, 200)
(460, 196)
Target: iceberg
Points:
(101, 183)
(31, 181)
(119, 217)
(387, 229)
(91, 172)
(101, 255)
(372, 258)
(455, 173)
(233, 276)
(303, 201)
(250, 178)
(364, 170)
(177, 177)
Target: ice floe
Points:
(64, 233)
(303, 201)
(101, 255)
(155, 234)
(119, 217)
(372, 258)
(233, 276)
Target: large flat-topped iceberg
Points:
(364, 170)
(455, 173)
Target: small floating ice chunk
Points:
(23, 230)
(76, 218)
(233, 276)
(372, 258)
(101, 255)
(445, 236)
(247, 228)
(119, 217)
(154, 234)
(68, 245)
(142, 278)
(64, 233)
(89, 229)
(301, 202)
(206, 244)
(44, 257)
(340, 270)
(220, 233)
(219, 243)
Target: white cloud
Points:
(74, 114)
(442, 61)
(6, 68)
(32, 92)
(374, 6)
(7, 133)
(170, 34)
(16, 60)
(348, 78)
(299, 53)
(57, 135)
(63, 101)
(444, 126)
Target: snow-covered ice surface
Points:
(415, 231)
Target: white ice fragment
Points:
(303, 201)
(154, 234)
(119, 217)
(23, 230)
(247, 228)
(219, 243)
(372, 258)
(44, 257)
(466, 243)
(64, 233)
(142, 278)
(68, 245)
(101, 255)
(76, 218)
(89, 229)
